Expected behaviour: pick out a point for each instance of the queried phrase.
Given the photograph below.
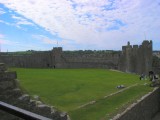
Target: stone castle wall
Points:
(61, 59)
(144, 109)
(34, 60)
(135, 59)
(92, 60)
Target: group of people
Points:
(152, 77)
(142, 77)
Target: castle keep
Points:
(134, 59)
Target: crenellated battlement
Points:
(132, 58)
(57, 49)
(147, 42)
(136, 58)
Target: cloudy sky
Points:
(78, 24)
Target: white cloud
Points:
(2, 11)
(4, 41)
(86, 21)
(44, 39)
(21, 21)
(13, 45)
(67, 44)
(1, 36)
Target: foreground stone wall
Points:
(144, 109)
(12, 94)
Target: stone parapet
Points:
(144, 109)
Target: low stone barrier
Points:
(144, 109)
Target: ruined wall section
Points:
(136, 59)
(147, 53)
(73, 59)
(33, 60)
(92, 60)
(57, 58)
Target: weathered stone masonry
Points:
(135, 59)
(144, 109)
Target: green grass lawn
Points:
(67, 89)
